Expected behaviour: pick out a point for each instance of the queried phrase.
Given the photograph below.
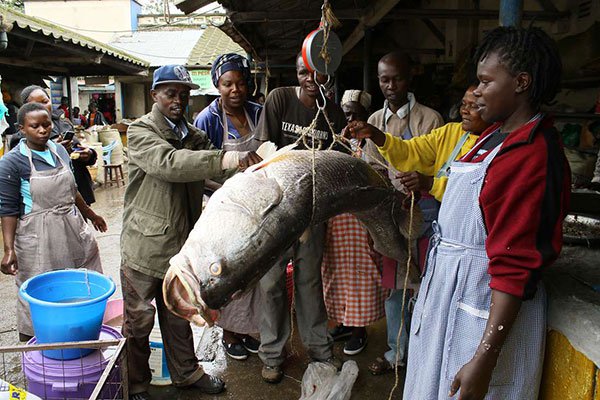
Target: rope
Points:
(328, 21)
(255, 79)
(293, 350)
(341, 140)
(408, 264)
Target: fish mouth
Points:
(181, 293)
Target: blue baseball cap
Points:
(173, 74)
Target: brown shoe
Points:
(380, 366)
(272, 374)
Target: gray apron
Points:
(242, 314)
(245, 143)
(453, 304)
(54, 234)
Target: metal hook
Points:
(322, 90)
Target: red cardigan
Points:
(524, 199)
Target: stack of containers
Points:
(67, 306)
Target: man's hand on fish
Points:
(248, 158)
(239, 159)
(414, 181)
(363, 130)
(9, 262)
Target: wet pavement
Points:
(243, 379)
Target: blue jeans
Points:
(393, 312)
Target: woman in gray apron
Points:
(229, 121)
(478, 326)
(52, 233)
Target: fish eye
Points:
(215, 269)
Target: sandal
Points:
(380, 366)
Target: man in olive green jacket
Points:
(169, 160)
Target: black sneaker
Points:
(340, 332)
(355, 345)
(250, 344)
(235, 350)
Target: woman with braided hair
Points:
(479, 324)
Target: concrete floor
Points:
(242, 377)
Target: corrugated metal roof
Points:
(192, 47)
(213, 43)
(160, 47)
(49, 29)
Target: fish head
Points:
(224, 251)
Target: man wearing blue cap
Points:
(169, 159)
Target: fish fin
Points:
(272, 157)
(266, 150)
(305, 235)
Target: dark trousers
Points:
(311, 314)
(139, 290)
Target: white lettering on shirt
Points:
(296, 130)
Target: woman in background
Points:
(42, 213)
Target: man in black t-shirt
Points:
(286, 112)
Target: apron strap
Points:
(29, 154)
(251, 126)
(445, 169)
(488, 160)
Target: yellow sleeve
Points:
(426, 154)
(417, 154)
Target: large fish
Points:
(257, 215)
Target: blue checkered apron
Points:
(453, 304)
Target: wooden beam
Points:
(30, 64)
(462, 14)
(75, 49)
(547, 5)
(29, 48)
(372, 15)
(434, 29)
(297, 15)
(189, 6)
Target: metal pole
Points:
(68, 79)
(367, 44)
(511, 13)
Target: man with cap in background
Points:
(169, 159)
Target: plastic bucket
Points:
(67, 306)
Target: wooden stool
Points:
(118, 174)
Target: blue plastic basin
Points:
(67, 306)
